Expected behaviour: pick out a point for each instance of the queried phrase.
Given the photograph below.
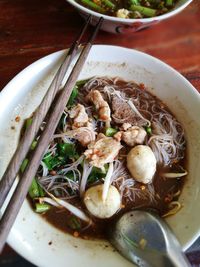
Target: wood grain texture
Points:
(32, 29)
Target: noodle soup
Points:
(117, 147)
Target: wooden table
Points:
(32, 29)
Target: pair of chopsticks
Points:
(61, 100)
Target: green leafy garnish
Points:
(24, 164)
(53, 161)
(97, 174)
(64, 152)
(67, 150)
(73, 96)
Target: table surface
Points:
(32, 29)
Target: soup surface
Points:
(130, 9)
(117, 147)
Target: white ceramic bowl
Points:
(31, 236)
(128, 26)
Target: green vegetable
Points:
(169, 2)
(135, 2)
(109, 4)
(110, 132)
(74, 223)
(24, 164)
(28, 122)
(81, 82)
(33, 145)
(64, 152)
(93, 5)
(41, 191)
(53, 161)
(42, 207)
(35, 190)
(73, 96)
(148, 130)
(145, 11)
(67, 150)
(97, 174)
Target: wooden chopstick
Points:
(24, 183)
(38, 117)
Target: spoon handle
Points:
(177, 259)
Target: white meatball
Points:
(141, 163)
(99, 208)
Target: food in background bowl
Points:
(117, 148)
(135, 9)
(125, 22)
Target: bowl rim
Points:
(174, 11)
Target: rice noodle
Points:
(119, 170)
(174, 206)
(60, 183)
(138, 113)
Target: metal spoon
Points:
(146, 240)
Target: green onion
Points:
(28, 122)
(73, 96)
(169, 2)
(93, 6)
(24, 164)
(34, 189)
(145, 11)
(148, 130)
(155, 2)
(135, 2)
(109, 4)
(110, 132)
(33, 145)
(42, 207)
